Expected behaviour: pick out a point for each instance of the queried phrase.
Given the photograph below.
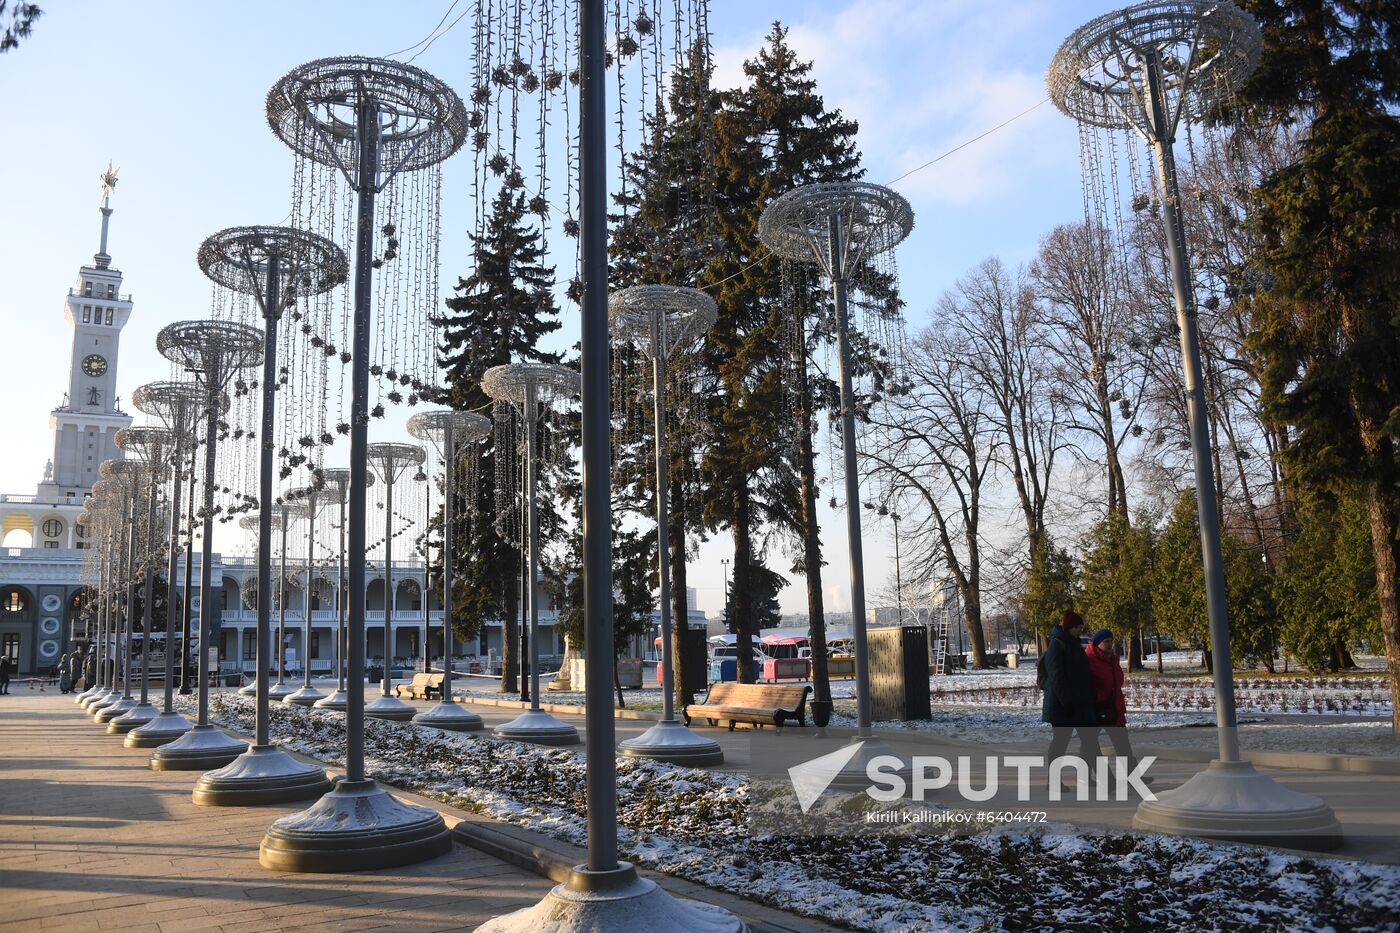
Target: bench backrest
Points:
(766, 696)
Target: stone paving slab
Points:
(92, 839)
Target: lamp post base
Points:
(249, 689)
(336, 701)
(1232, 801)
(306, 696)
(449, 715)
(390, 708)
(278, 692)
(672, 742)
(538, 728)
(618, 901)
(167, 727)
(118, 707)
(90, 700)
(200, 749)
(358, 826)
(138, 715)
(262, 774)
(85, 695)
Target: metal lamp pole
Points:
(1143, 69)
(212, 351)
(528, 387)
(660, 317)
(447, 430)
(603, 894)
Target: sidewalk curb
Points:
(554, 859)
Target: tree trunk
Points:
(1383, 510)
(972, 610)
(617, 684)
(812, 550)
(509, 646)
(743, 622)
(1206, 661)
(1135, 651)
(1157, 638)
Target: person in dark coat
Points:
(1110, 706)
(5, 670)
(1068, 701)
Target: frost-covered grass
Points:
(1368, 696)
(695, 824)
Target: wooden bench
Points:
(422, 687)
(760, 704)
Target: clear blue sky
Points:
(172, 92)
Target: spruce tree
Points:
(1329, 222)
(664, 233)
(775, 135)
(1115, 582)
(497, 315)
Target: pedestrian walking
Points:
(6, 669)
(1068, 701)
(1110, 705)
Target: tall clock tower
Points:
(85, 424)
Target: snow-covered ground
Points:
(694, 824)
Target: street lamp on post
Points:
(1146, 70)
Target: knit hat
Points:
(1071, 619)
(1101, 635)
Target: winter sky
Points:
(172, 93)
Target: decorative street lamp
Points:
(451, 433)
(370, 119)
(390, 461)
(175, 405)
(287, 511)
(213, 351)
(528, 387)
(100, 526)
(152, 446)
(336, 488)
(254, 594)
(658, 319)
(116, 488)
(839, 226)
(311, 501)
(603, 894)
(278, 266)
(1148, 69)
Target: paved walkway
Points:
(92, 839)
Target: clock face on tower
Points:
(94, 365)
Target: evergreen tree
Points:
(1178, 590)
(664, 233)
(774, 134)
(1115, 582)
(1049, 587)
(1329, 221)
(1326, 594)
(497, 315)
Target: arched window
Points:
(13, 599)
